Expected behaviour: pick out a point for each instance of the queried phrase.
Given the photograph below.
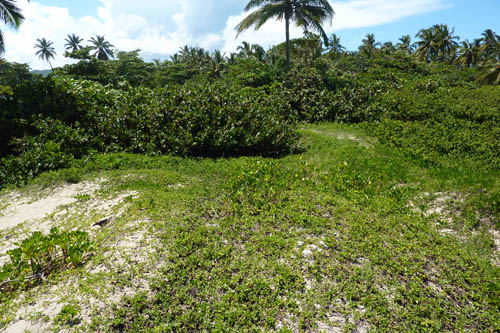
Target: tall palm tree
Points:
(437, 43)
(73, 42)
(45, 50)
(102, 47)
(491, 45)
(308, 14)
(10, 15)
(469, 54)
(446, 41)
(369, 45)
(426, 50)
(244, 50)
(406, 45)
(334, 46)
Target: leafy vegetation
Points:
(40, 255)
(380, 219)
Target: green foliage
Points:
(303, 88)
(249, 72)
(285, 244)
(201, 118)
(68, 315)
(432, 121)
(53, 145)
(40, 255)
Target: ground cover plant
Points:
(39, 255)
(339, 236)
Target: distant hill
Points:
(43, 72)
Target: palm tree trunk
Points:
(287, 24)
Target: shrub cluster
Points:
(248, 108)
(56, 120)
(39, 255)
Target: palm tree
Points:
(175, 59)
(102, 47)
(10, 15)
(491, 44)
(446, 41)
(73, 43)
(469, 54)
(388, 48)
(425, 46)
(335, 48)
(437, 43)
(308, 14)
(369, 45)
(247, 50)
(259, 52)
(244, 50)
(45, 50)
(217, 64)
(406, 45)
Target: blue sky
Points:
(160, 27)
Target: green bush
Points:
(39, 255)
(304, 89)
(432, 122)
(52, 145)
(200, 118)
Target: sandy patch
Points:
(20, 209)
(444, 206)
(344, 136)
(129, 263)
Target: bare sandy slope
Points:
(20, 209)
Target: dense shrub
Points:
(305, 90)
(432, 122)
(197, 119)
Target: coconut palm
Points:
(244, 50)
(45, 50)
(334, 46)
(426, 50)
(73, 43)
(10, 15)
(405, 44)
(259, 52)
(102, 47)
(446, 42)
(491, 45)
(217, 64)
(176, 59)
(247, 50)
(469, 54)
(437, 43)
(369, 45)
(388, 48)
(308, 14)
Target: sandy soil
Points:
(20, 209)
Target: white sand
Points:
(20, 211)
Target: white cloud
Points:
(160, 28)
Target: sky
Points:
(161, 27)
